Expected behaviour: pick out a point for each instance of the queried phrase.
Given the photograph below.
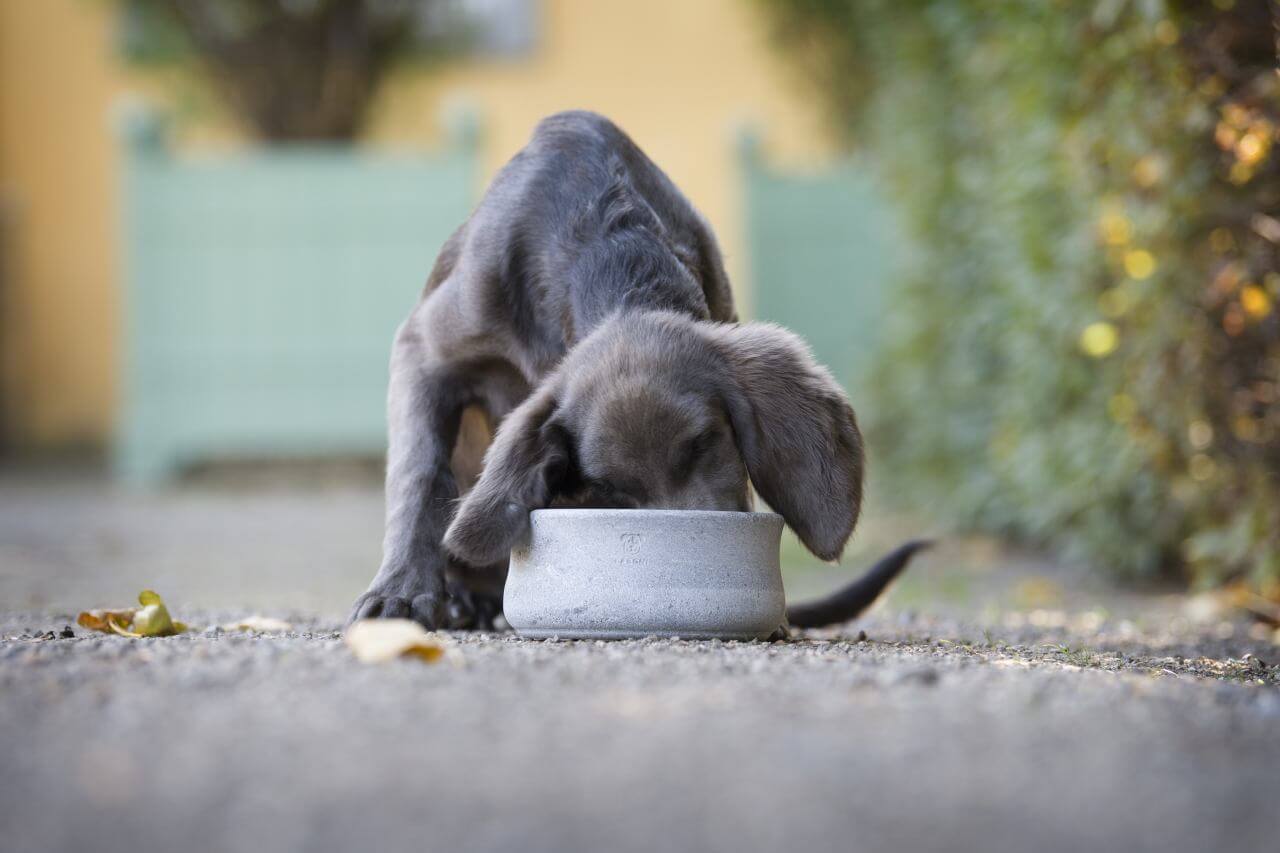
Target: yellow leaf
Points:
(1139, 263)
(1255, 301)
(150, 620)
(381, 640)
(1115, 228)
(116, 628)
(1252, 148)
(99, 620)
(1148, 171)
(1099, 339)
(264, 624)
(153, 619)
(1236, 114)
(1166, 32)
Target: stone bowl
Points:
(615, 573)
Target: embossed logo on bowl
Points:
(631, 542)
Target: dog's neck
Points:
(626, 260)
(635, 274)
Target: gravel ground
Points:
(1050, 729)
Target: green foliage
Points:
(1085, 350)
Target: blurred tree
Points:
(292, 69)
(1087, 348)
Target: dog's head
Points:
(658, 411)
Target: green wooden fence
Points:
(262, 288)
(262, 291)
(821, 247)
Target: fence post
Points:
(139, 456)
(748, 143)
(464, 131)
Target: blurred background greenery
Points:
(1086, 349)
(1037, 238)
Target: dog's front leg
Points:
(424, 408)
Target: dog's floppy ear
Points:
(528, 456)
(796, 432)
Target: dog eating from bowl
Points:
(576, 345)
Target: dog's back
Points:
(578, 215)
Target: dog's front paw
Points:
(426, 608)
(400, 595)
(404, 594)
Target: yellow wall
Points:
(56, 174)
(679, 75)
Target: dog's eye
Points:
(696, 447)
(601, 494)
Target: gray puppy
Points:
(584, 310)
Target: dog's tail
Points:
(844, 604)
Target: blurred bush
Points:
(1087, 349)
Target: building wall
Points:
(56, 185)
(680, 76)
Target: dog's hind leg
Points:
(475, 593)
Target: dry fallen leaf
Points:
(100, 620)
(265, 624)
(150, 620)
(380, 640)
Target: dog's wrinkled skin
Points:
(584, 307)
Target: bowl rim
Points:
(709, 514)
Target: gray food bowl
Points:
(613, 573)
